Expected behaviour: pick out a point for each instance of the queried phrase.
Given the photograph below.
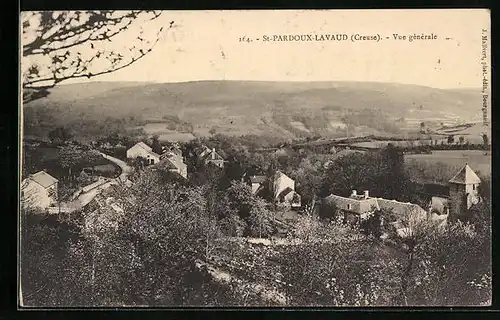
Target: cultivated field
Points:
(164, 134)
(478, 160)
(384, 143)
(282, 109)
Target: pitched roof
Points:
(146, 148)
(176, 150)
(203, 151)
(465, 176)
(285, 192)
(213, 155)
(258, 179)
(400, 208)
(358, 206)
(172, 160)
(362, 205)
(167, 164)
(143, 145)
(280, 174)
(207, 154)
(44, 179)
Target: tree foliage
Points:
(382, 173)
(260, 220)
(149, 252)
(73, 157)
(60, 135)
(334, 266)
(156, 145)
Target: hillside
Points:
(285, 109)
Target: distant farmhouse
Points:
(207, 155)
(463, 194)
(39, 190)
(279, 185)
(141, 149)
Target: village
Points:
(289, 182)
(40, 188)
(101, 204)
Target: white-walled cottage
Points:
(39, 190)
(141, 149)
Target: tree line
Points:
(168, 224)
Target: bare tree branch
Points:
(60, 38)
(79, 70)
(55, 30)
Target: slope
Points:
(288, 109)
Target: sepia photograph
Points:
(255, 158)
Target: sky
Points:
(204, 45)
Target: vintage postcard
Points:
(327, 158)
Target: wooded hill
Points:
(285, 109)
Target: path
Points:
(126, 169)
(85, 197)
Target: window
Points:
(348, 206)
(473, 187)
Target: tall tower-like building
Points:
(463, 191)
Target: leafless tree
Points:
(61, 45)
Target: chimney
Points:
(213, 153)
(354, 193)
(366, 194)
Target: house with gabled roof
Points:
(463, 195)
(142, 150)
(284, 190)
(39, 190)
(354, 207)
(280, 186)
(289, 197)
(174, 162)
(207, 155)
(257, 182)
(357, 207)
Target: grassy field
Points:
(471, 132)
(477, 159)
(383, 144)
(164, 134)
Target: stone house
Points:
(357, 207)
